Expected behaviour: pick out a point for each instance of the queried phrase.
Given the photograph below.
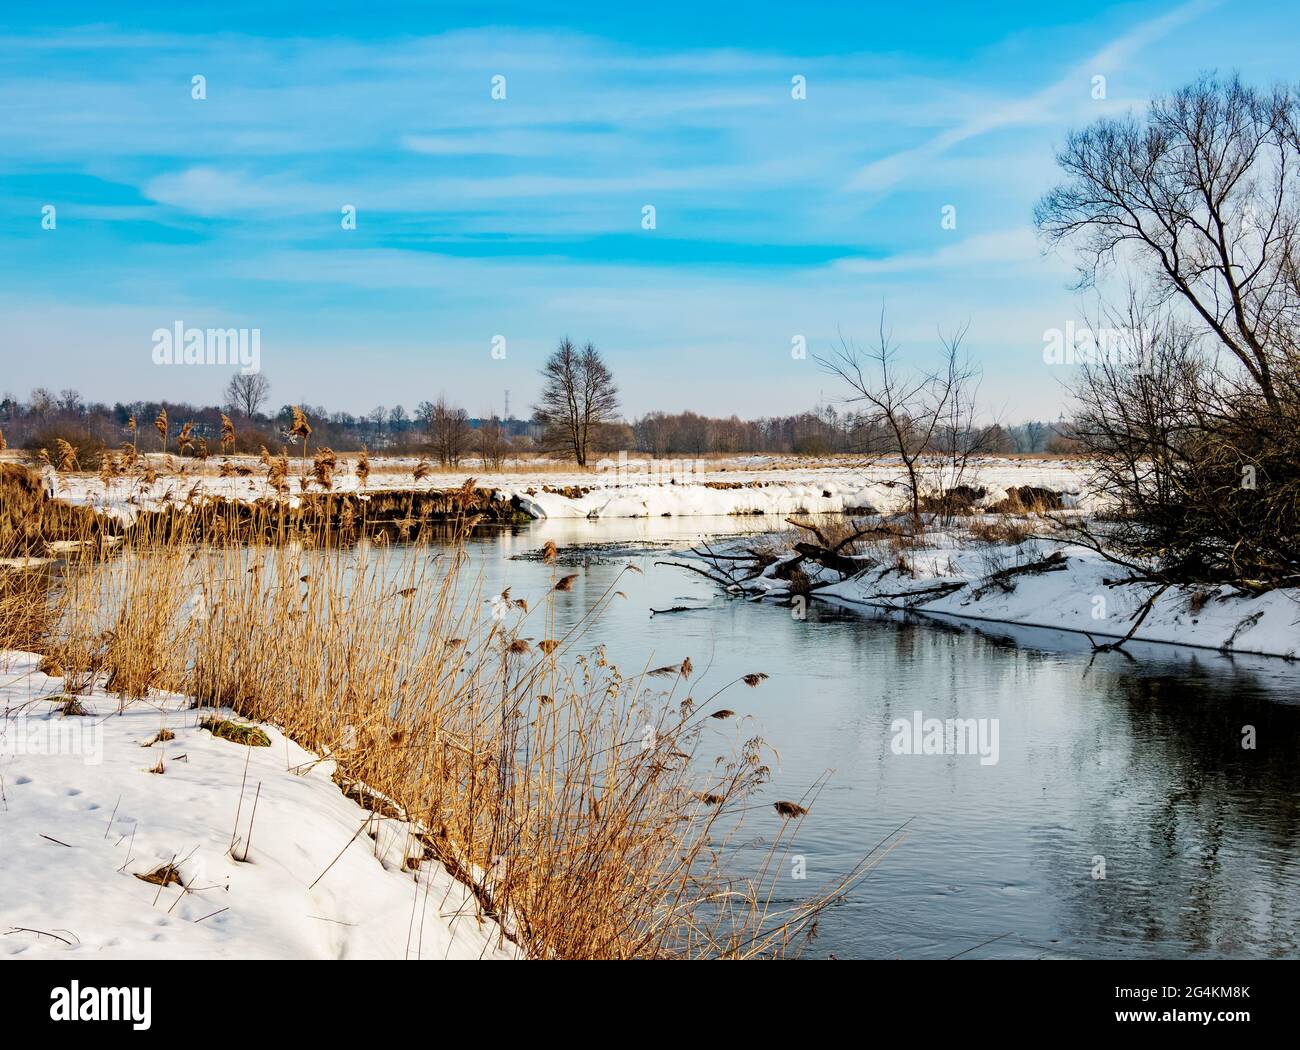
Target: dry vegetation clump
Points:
(301, 429)
(67, 446)
(586, 809)
(958, 500)
(1004, 530)
(30, 521)
(26, 619)
(166, 875)
(22, 500)
(567, 491)
(799, 582)
(1029, 499)
(236, 732)
(70, 707)
(323, 468)
(227, 434)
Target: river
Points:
(1122, 817)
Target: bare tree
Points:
(43, 403)
(1203, 196)
(578, 395)
(1196, 440)
(449, 432)
(925, 418)
(493, 442)
(245, 394)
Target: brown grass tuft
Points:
(250, 736)
(166, 875)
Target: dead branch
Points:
(1147, 606)
(1054, 562)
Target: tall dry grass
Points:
(587, 808)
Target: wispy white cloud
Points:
(1046, 104)
(1015, 247)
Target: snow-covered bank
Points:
(653, 501)
(617, 488)
(91, 801)
(1077, 591)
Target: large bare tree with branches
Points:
(246, 393)
(1195, 438)
(578, 395)
(1202, 196)
(449, 431)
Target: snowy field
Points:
(273, 860)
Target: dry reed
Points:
(584, 807)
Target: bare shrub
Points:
(925, 418)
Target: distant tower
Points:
(507, 416)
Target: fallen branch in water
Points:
(830, 559)
(1147, 606)
(938, 591)
(729, 584)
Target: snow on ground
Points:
(653, 501)
(1076, 598)
(618, 487)
(82, 813)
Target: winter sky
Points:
(522, 216)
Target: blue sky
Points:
(522, 217)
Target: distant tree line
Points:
(575, 418)
(447, 433)
(817, 432)
(435, 428)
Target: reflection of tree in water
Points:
(1199, 834)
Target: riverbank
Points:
(130, 831)
(1057, 585)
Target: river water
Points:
(1122, 817)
